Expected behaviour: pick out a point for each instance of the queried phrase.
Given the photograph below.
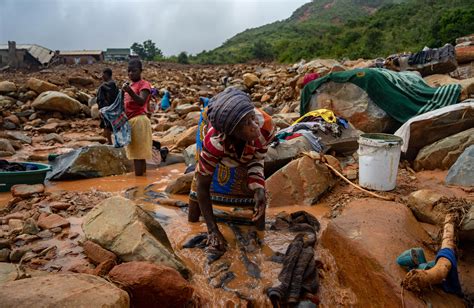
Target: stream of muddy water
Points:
(179, 230)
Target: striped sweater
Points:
(215, 150)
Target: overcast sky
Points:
(174, 25)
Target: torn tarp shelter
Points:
(401, 95)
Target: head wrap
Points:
(228, 108)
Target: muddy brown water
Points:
(179, 230)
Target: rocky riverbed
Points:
(68, 237)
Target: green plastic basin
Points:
(8, 179)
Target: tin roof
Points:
(80, 52)
(40, 53)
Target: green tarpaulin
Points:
(401, 95)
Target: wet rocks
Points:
(152, 285)
(63, 290)
(367, 234)
(283, 153)
(352, 103)
(90, 162)
(181, 185)
(118, 225)
(303, 181)
(57, 101)
(190, 155)
(25, 191)
(462, 172)
(52, 221)
(443, 153)
(40, 86)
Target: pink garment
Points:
(132, 109)
(310, 77)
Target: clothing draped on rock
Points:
(401, 95)
(116, 117)
(320, 121)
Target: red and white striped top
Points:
(214, 150)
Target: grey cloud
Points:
(174, 25)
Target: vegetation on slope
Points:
(349, 28)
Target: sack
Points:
(115, 115)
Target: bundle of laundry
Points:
(311, 126)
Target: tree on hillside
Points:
(261, 50)
(147, 50)
(453, 24)
(183, 58)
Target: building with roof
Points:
(80, 56)
(29, 56)
(117, 54)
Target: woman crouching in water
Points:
(233, 142)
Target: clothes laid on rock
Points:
(115, 115)
(311, 125)
(401, 95)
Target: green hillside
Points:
(349, 28)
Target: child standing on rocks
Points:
(136, 98)
(106, 95)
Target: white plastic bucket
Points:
(379, 155)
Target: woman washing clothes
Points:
(136, 98)
(231, 145)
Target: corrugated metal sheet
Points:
(80, 53)
(40, 53)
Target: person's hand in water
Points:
(216, 241)
(260, 204)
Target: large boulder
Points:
(19, 136)
(467, 227)
(118, 225)
(365, 241)
(90, 162)
(63, 290)
(57, 101)
(152, 285)
(443, 153)
(7, 86)
(437, 80)
(184, 109)
(462, 172)
(172, 135)
(301, 182)
(40, 86)
(351, 102)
